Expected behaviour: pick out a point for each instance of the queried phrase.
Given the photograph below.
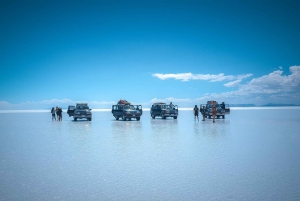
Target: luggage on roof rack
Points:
(125, 102)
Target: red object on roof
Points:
(125, 102)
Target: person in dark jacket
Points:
(59, 114)
(202, 110)
(196, 113)
(53, 114)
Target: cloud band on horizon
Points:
(185, 77)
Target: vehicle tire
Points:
(138, 118)
(117, 118)
(175, 117)
(124, 118)
(218, 117)
(153, 117)
(75, 119)
(129, 119)
(223, 116)
(89, 119)
(209, 116)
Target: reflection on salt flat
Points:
(250, 155)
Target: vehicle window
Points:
(165, 107)
(129, 107)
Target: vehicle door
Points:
(70, 111)
(117, 110)
(175, 108)
(139, 108)
(155, 110)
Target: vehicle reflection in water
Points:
(127, 136)
(165, 133)
(79, 132)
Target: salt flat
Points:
(252, 154)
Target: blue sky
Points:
(60, 52)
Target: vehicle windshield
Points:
(210, 106)
(167, 107)
(81, 107)
(129, 107)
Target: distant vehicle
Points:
(208, 109)
(81, 111)
(126, 111)
(163, 110)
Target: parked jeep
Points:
(208, 109)
(81, 111)
(127, 111)
(163, 110)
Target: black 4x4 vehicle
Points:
(127, 111)
(208, 109)
(163, 110)
(81, 111)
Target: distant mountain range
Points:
(279, 104)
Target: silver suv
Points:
(82, 111)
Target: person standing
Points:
(53, 114)
(196, 113)
(59, 114)
(202, 110)
(56, 111)
(214, 113)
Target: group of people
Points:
(203, 112)
(58, 112)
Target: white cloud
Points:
(274, 87)
(238, 81)
(233, 83)
(209, 77)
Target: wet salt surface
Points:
(250, 155)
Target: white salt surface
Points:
(253, 154)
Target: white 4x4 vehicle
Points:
(81, 111)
